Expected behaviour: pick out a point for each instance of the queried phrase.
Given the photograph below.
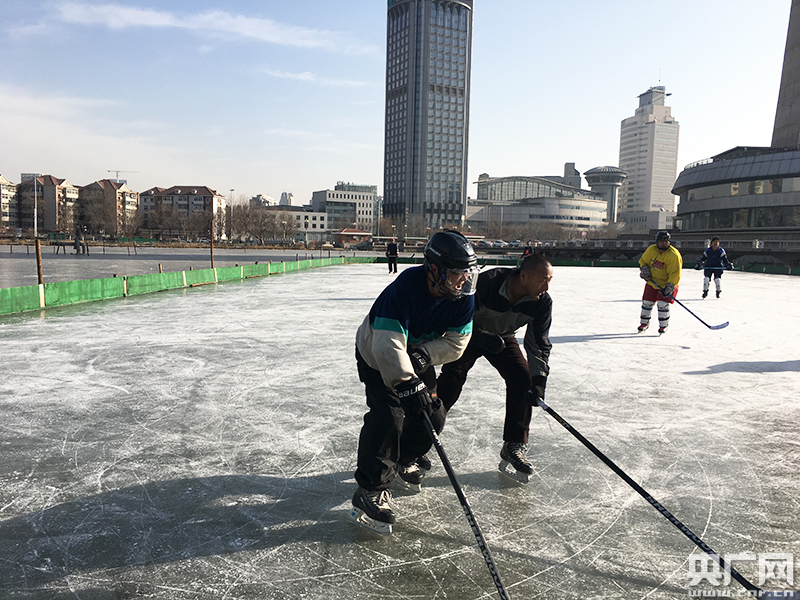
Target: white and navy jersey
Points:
(714, 259)
(495, 314)
(406, 315)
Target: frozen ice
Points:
(200, 444)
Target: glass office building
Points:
(428, 56)
(743, 188)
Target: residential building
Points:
(524, 200)
(648, 153)
(183, 208)
(428, 58)
(346, 207)
(55, 200)
(9, 217)
(286, 199)
(109, 207)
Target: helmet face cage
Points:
(456, 264)
(662, 235)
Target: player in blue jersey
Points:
(423, 318)
(713, 262)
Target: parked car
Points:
(499, 244)
(484, 244)
(514, 244)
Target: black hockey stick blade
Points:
(754, 590)
(661, 289)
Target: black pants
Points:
(513, 368)
(389, 437)
(392, 260)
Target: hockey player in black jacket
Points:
(505, 300)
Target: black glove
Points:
(420, 359)
(668, 289)
(535, 394)
(488, 342)
(414, 396)
(697, 266)
(729, 267)
(644, 272)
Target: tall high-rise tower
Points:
(428, 58)
(786, 132)
(648, 152)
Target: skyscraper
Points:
(648, 152)
(786, 132)
(428, 58)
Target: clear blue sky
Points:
(267, 96)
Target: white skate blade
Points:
(507, 469)
(359, 517)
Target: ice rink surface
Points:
(200, 444)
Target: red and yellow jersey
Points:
(665, 267)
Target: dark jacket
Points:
(494, 314)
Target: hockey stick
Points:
(722, 326)
(755, 591)
(487, 556)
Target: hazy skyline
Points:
(271, 97)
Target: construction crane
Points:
(118, 171)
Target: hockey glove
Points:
(644, 272)
(420, 359)
(488, 342)
(697, 266)
(729, 267)
(667, 290)
(414, 396)
(535, 395)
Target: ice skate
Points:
(371, 510)
(643, 327)
(424, 463)
(718, 293)
(514, 463)
(410, 477)
(705, 293)
(662, 330)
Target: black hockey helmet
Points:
(456, 264)
(662, 235)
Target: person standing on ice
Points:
(713, 261)
(391, 255)
(660, 266)
(423, 318)
(506, 300)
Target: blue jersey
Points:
(714, 259)
(405, 315)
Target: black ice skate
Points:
(371, 510)
(718, 293)
(662, 330)
(424, 463)
(514, 463)
(705, 293)
(643, 327)
(411, 476)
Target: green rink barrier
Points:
(154, 282)
(20, 299)
(63, 293)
